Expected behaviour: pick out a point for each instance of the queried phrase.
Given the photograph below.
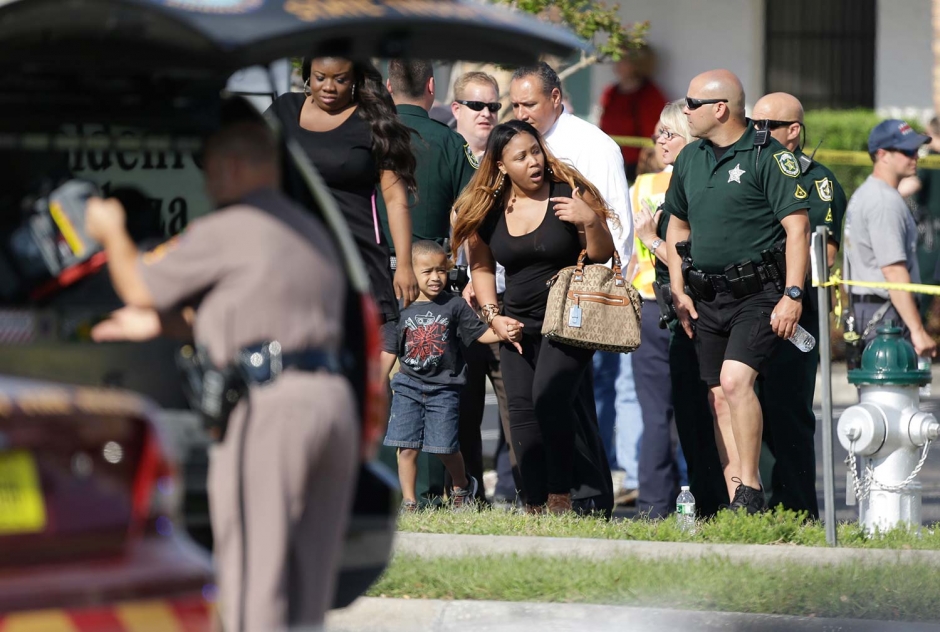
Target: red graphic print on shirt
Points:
(425, 340)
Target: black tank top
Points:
(532, 259)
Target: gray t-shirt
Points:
(879, 231)
(429, 336)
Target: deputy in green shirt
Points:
(444, 161)
(735, 196)
(444, 167)
(786, 392)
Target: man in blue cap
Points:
(881, 237)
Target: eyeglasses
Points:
(910, 153)
(665, 132)
(694, 104)
(771, 125)
(477, 106)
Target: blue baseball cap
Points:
(895, 134)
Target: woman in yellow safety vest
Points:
(663, 362)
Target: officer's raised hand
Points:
(785, 316)
(685, 310)
(104, 219)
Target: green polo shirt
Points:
(827, 202)
(734, 205)
(444, 167)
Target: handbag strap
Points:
(619, 279)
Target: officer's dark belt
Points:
(263, 363)
(872, 299)
(722, 285)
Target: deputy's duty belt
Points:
(262, 363)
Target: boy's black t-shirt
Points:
(429, 336)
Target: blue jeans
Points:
(423, 416)
(629, 423)
(618, 412)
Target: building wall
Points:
(685, 46)
(903, 58)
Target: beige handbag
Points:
(593, 307)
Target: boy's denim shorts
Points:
(423, 416)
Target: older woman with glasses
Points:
(666, 361)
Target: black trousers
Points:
(482, 362)
(695, 425)
(543, 387)
(786, 397)
(658, 469)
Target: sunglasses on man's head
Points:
(694, 104)
(478, 106)
(771, 125)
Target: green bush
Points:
(847, 130)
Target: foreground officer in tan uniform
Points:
(261, 269)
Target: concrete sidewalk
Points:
(443, 545)
(420, 615)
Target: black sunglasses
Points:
(771, 125)
(694, 104)
(910, 153)
(477, 106)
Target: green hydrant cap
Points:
(891, 360)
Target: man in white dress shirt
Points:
(536, 95)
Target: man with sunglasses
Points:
(476, 109)
(786, 392)
(735, 197)
(881, 237)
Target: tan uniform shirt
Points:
(261, 270)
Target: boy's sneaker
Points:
(748, 498)
(408, 506)
(464, 497)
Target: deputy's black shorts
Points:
(735, 329)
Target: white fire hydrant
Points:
(888, 433)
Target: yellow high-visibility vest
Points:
(649, 187)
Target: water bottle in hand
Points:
(802, 339)
(685, 510)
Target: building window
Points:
(821, 52)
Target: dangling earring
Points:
(549, 171)
(354, 92)
(307, 91)
(499, 187)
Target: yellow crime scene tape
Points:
(917, 288)
(824, 156)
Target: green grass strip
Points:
(900, 592)
(776, 527)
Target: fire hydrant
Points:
(888, 431)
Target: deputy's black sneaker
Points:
(748, 498)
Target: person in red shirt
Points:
(631, 107)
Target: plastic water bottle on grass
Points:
(685, 510)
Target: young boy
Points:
(426, 389)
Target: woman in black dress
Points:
(533, 214)
(346, 122)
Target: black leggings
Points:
(542, 385)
